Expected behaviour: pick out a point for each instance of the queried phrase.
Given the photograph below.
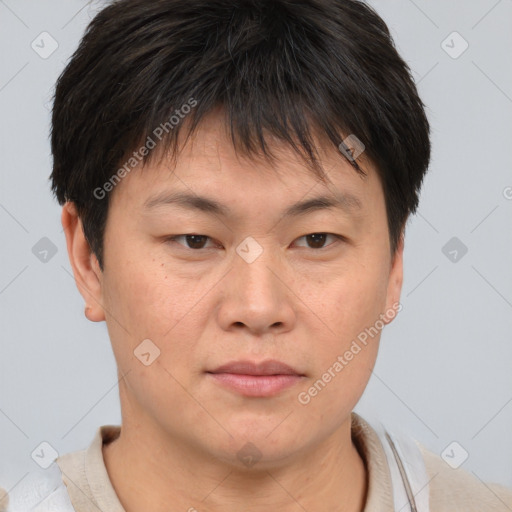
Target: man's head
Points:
(242, 107)
(283, 68)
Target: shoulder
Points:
(449, 489)
(42, 490)
(457, 489)
(65, 485)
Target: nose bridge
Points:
(256, 294)
(257, 266)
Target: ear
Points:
(86, 269)
(396, 275)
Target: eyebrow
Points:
(342, 201)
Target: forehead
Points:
(210, 175)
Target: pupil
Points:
(318, 235)
(195, 240)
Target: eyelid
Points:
(173, 239)
(339, 238)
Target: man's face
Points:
(254, 284)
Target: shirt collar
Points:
(101, 494)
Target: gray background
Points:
(444, 367)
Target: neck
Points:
(330, 476)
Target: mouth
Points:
(264, 379)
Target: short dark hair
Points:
(289, 68)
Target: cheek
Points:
(347, 325)
(148, 296)
(147, 302)
(350, 301)
(346, 346)
(171, 309)
(144, 301)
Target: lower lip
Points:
(256, 385)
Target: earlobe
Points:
(395, 281)
(84, 263)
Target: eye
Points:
(318, 239)
(197, 242)
(193, 241)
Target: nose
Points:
(257, 296)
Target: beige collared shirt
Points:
(450, 490)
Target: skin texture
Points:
(300, 301)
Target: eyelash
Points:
(174, 238)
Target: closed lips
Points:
(269, 367)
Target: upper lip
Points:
(269, 367)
